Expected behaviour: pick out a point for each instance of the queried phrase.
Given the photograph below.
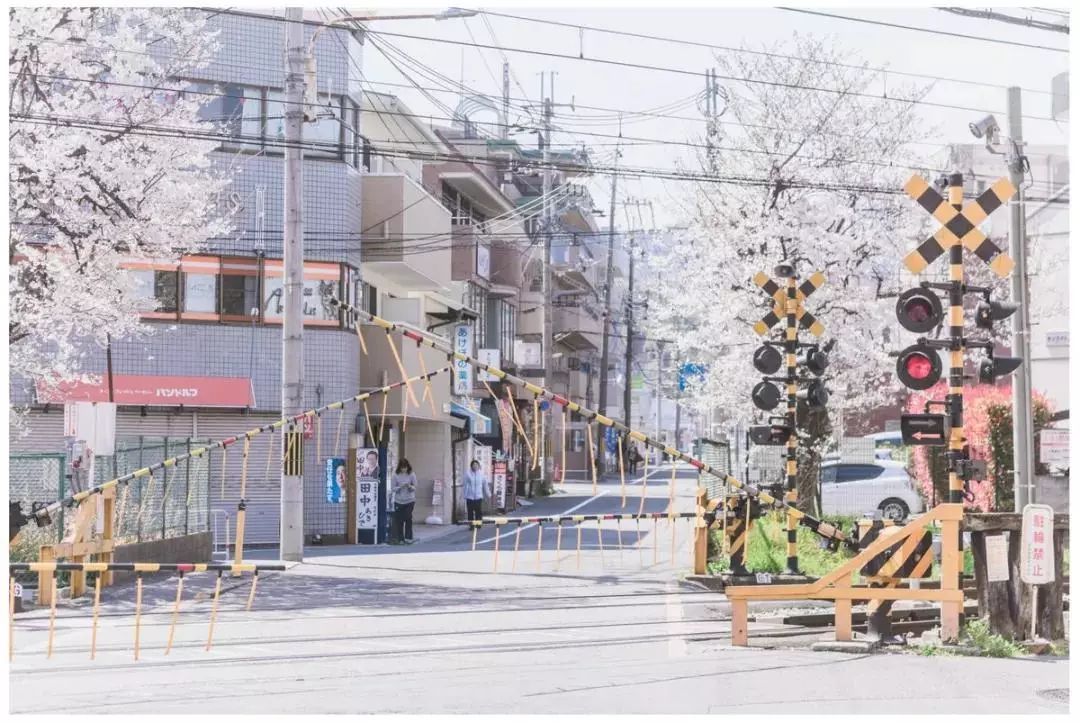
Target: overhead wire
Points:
(932, 31)
(747, 51)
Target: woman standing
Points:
(475, 489)
(404, 491)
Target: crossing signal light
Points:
(814, 394)
(993, 367)
(766, 396)
(817, 361)
(767, 360)
(773, 435)
(919, 367)
(987, 312)
(919, 310)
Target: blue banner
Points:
(335, 480)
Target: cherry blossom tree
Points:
(99, 173)
(822, 145)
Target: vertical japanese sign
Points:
(498, 477)
(1037, 545)
(335, 480)
(463, 381)
(491, 357)
(367, 489)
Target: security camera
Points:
(784, 271)
(988, 127)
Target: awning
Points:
(155, 391)
(478, 423)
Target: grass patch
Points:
(978, 634)
(767, 548)
(935, 651)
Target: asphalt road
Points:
(434, 628)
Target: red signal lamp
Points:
(918, 367)
(919, 310)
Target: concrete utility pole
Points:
(292, 328)
(605, 338)
(628, 388)
(545, 216)
(1023, 427)
(506, 100)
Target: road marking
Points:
(533, 524)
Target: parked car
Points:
(859, 488)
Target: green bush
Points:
(978, 634)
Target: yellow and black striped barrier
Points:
(910, 558)
(819, 527)
(139, 568)
(577, 521)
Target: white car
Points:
(856, 489)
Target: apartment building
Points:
(210, 365)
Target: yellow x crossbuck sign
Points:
(779, 295)
(959, 226)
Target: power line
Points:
(678, 71)
(631, 172)
(421, 116)
(712, 46)
(1011, 19)
(925, 30)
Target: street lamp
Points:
(312, 87)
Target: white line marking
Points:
(533, 524)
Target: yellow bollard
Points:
(213, 612)
(579, 546)
(600, 541)
(97, 610)
(618, 529)
(517, 540)
(622, 473)
(138, 611)
(175, 612)
(52, 615)
(251, 595)
(539, 542)
(640, 548)
(656, 540)
(558, 544)
(11, 618)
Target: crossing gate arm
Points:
(824, 529)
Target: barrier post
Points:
(701, 534)
(738, 622)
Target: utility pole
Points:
(606, 317)
(659, 390)
(292, 328)
(1023, 431)
(548, 291)
(506, 100)
(628, 383)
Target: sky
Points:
(620, 88)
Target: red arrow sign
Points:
(926, 435)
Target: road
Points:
(433, 628)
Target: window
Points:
(577, 440)
(237, 108)
(461, 209)
(239, 288)
(828, 474)
(476, 299)
(161, 286)
(322, 139)
(199, 287)
(857, 472)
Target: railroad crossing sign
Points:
(928, 430)
(959, 226)
(779, 294)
